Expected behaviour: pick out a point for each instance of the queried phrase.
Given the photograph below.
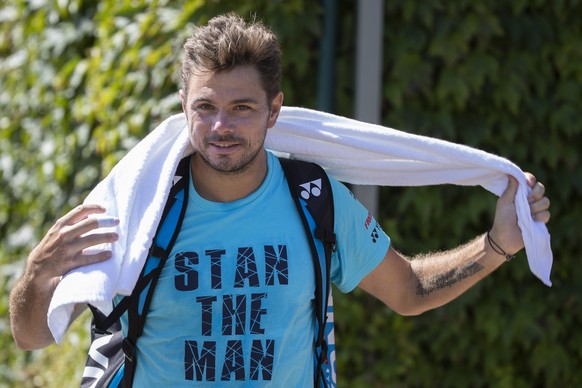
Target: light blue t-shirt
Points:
(234, 303)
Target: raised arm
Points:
(59, 252)
(411, 286)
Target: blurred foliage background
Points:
(81, 82)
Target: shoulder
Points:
(342, 193)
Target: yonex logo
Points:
(311, 188)
(375, 235)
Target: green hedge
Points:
(81, 83)
(504, 77)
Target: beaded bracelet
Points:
(497, 248)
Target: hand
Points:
(505, 231)
(539, 204)
(62, 249)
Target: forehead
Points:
(236, 83)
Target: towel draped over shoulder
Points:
(351, 151)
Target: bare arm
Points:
(60, 251)
(412, 286)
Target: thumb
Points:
(508, 195)
(505, 229)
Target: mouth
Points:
(223, 147)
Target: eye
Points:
(242, 107)
(204, 106)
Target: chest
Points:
(237, 271)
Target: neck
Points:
(218, 186)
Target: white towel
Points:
(351, 151)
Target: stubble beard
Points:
(224, 164)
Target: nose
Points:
(222, 122)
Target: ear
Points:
(275, 109)
(183, 99)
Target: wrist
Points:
(497, 248)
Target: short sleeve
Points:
(361, 242)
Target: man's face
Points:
(228, 116)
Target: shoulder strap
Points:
(313, 196)
(166, 234)
(181, 179)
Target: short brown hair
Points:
(228, 41)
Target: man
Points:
(240, 210)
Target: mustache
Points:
(224, 138)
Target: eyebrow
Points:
(246, 100)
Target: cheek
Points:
(196, 124)
(195, 132)
(201, 125)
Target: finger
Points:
(538, 191)
(540, 210)
(89, 224)
(92, 240)
(81, 212)
(85, 250)
(543, 216)
(86, 259)
(98, 238)
(83, 259)
(530, 178)
(107, 222)
(540, 205)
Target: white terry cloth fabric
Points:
(351, 151)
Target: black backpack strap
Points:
(313, 196)
(165, 237)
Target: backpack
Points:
(111, 357)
